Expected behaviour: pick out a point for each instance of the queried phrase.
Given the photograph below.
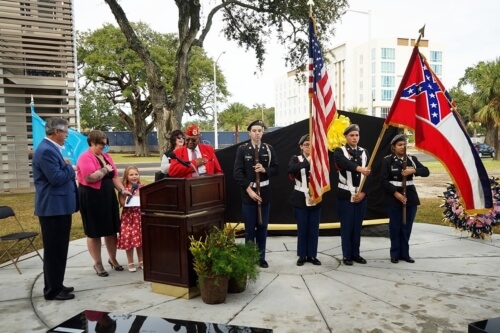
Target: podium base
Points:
(175, 291)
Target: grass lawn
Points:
(23, 203)
(130, 158)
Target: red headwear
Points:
(193, 130)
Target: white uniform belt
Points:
(400, 184)
(302, 189)
(348, 188)
(262, 184)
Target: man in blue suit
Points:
(55, 202)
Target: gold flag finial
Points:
(421, 32)
(310, 3)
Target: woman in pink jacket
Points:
(98, 178)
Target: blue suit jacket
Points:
(55, 185)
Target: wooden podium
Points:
(172, 210)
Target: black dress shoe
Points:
(359, 260)
(263, 264)
(62, 296)
(116, 268)
(301, 261)
(394, 260)
(314, 261)
(101, 273)
(347, 262)
(409, 259)
(67, 289)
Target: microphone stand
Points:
(172, 156)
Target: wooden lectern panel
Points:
(174, 209)
(167, 257)
(183, 196)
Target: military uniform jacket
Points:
(346, 166)
(244, 173)
(295, 167)
(391, 178)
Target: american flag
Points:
(323, 112)
(423, 104)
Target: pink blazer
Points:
(88, 164)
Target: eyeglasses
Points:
(62, 130)
(306, 144)
(102, 143)
(181, 138)
(191, 139)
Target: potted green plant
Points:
(213, 258)
(244, 267)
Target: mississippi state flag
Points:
(424, 105)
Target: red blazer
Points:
(177, 170)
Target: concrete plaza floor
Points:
(455, 281)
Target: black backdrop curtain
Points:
(285, 143)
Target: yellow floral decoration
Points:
(335, 134)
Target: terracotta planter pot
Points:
(235, 286)
(214, 289)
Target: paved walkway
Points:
(455, 281)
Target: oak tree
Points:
(250, 23)
(110, 67)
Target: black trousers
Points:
(55, 235)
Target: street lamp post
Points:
(216, 135)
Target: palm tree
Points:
(357, 109)
(234, 117)
(485, 81)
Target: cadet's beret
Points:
(193, 130)
(399, 137)
(351, 128)
(257, 122)
(303, 138)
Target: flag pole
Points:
(310, 3)
(403, 181)
(421, 33)
(372, 157)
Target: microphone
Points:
(134, 187)
(172, 155)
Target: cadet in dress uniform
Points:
(392, 176)
(307, 214)
(350, 161)
(245, 171)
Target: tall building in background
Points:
(365, 76)
(37, 58)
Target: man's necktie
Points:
(193, 157)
